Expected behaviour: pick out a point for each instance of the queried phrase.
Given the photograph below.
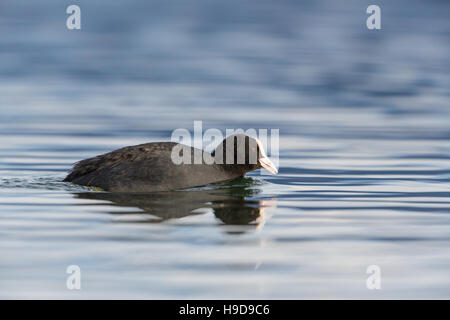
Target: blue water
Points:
(364, 120)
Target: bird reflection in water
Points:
(230, 202)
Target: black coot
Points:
(164, 166)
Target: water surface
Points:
(364, 121)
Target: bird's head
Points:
(243, 153)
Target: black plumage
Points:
(150, 167)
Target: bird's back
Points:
(144, 168)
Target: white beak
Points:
(268, 165)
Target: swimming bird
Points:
(165, 166)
